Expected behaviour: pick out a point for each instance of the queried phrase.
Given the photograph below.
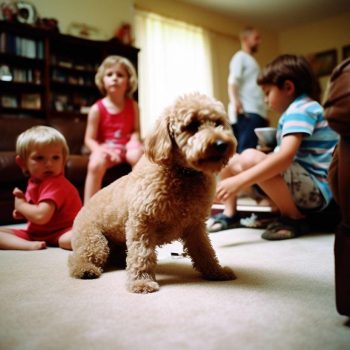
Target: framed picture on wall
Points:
(346, 52)
(324, 62)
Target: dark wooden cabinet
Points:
(46, 74)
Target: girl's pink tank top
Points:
(116, 128)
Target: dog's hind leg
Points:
(198, 246)
(90, 253)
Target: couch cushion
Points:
(73, 130)
(76, 168)
(9, 170)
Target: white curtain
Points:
(174, 59)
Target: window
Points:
(174, 59)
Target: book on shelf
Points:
(8, 101)
(58, 76)
(20, 75)
(31, 101)
(20, 46)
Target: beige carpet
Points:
(283, 299)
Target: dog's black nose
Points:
(221, 146)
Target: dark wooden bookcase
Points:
(47, 74)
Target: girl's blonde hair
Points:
(111, 61)
(40, 136)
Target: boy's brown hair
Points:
(294, 68)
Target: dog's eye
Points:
(193, 126)
(218, 124)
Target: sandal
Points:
(221, 222)
(253, 221)
(285, 228)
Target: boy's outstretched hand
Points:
(19, 196)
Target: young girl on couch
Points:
(51, 202)
(294, 176)
(112, 132)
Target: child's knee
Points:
(250, 157)
(133, 155)
(65, 241)
(97, 166)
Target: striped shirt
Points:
(306, 116)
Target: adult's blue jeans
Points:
(244, 130)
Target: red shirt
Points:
(66, 198)
(116, 128)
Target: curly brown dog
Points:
(167, 196)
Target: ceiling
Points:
(275, 14)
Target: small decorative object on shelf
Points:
(8, 11)
(48, 24)
(26, 12)
(124, 34)
(5, 73)
(83, 30)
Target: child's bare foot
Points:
(9, 241)
(36, 245)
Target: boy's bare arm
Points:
(273, 164)
(39, 214)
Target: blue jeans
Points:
(244, 130)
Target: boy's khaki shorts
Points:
(303, 188)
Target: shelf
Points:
(59, 73)
(13, 60)
(74, 70)
(13, 86)
(22, 111)
(67, 86)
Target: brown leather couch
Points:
(11, 175)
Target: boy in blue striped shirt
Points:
(294, 176)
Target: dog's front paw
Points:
(143, 286)
(80, 268)
(222, 274)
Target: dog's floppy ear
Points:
(158, 144)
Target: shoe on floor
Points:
(221, 222)
(285, 228)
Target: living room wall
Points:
(107, 16)
(319, 36)
(330, 33)
(103, 16)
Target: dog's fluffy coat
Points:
(167, 196)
